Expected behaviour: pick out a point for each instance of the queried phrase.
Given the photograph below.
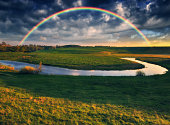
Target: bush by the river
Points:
(5, 67)
(140, 73)
(31, 70)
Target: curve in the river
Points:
(149, 69)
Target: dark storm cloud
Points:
(17, 17)
(97, 3)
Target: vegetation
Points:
(116, 50)
(19, 107)
(159, 56)
(24, 48)
(51, 99)
(30, 70)
(101, 100)
(5, 67)
(92, 61)
(140, 73)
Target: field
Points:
(71, 59)
(44, 99)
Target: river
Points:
(149, 69)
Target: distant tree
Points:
(3, 48)
(22, 49)
(17, 48)
(57, 46)
(48, 47)
(71, 46)
(3, 43)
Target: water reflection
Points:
(150, 69)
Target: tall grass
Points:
(31, 70)
(6, 67)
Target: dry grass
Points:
(5, 67)
(31, 70)
(106, 53)
(143, 55)
(28, 69)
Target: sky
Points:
(87, 28)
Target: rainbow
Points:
(84, 8)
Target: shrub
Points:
(140, 73)
(40, 67)
(31, 70)
(28, 69)
(5, 67)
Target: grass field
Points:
(45, 99)
(88, 58)
(113, 50)
(102, 100)
(102, 61)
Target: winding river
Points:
(149, 69)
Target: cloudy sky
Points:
(152, 17)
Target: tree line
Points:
(29, 48)
(22, 48)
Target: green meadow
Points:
(74, 59)
(56, 99)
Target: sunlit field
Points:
(53, 99)
(103, 58)
(75, 59)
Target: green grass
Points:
(115, 99)
(20, 107)
(52, 99)
(87, 58)
(74, 50)
(75, 61)
(118, 50)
